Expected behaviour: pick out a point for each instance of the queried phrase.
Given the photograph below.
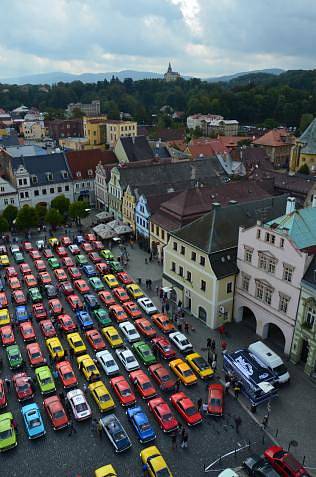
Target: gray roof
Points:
(137, 148)
(310, 274)
(39, 166)
(11, 140)
(26, 150)
(308, 138)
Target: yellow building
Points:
(73, 143)
(4, 130)
(304, 151)
(128, 207)
(94, 129)
(116, 129)
(33, 130)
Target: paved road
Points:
(57, 454)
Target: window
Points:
(267, 263)
(245, 280)
(26, 194)
(67, 188)
(175, 246)
(163, 235)
(152, 227)
(24, 181)
(20, 182)
(248, 254)
(267, 237)
(258, 233)
(310, 315)
(282, 243)
(173, 266)
(65, 174)
(182, 250)
(287, 272)
(52, 190)
(193, 256)
(12, 201)
(49, 176)
(36, 193)
(44, 191)
(229, 287)
(90, 172)
(267, 296)
(283, 303)
(22, 195)
(181, 271)
(203, 285)
(202, 261)
(157, 233)
(6, 202)
(272, 239)
(264, 292)
(189, 276)
(259, 291)
(59, 189)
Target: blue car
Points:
(21, 314)
(89, 270)
(79, 239)
(84, 320)
(141, 424)
(91, 301)
(115, 433)
(33, 421)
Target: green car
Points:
(45, 380)
(18, 257)
(96, 284)
(116, 267)
(81, 260)
(102, 316)
(107, 255)
(53, 263)
(144, 352)
(7, 432)
(35, 295)
(14, 356)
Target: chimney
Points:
(314, 201)
(290, 205)
(216, 205)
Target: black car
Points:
(51, 291)
(257, 466)
(91, 301)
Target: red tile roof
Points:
(87, 160)
(275, 138)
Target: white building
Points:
(198, 120)
(8, 194)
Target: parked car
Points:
(50, 291)
(181, 342)
(89, 270)
(147, 305)
(120, 294)
(102, 316)
(163, 322)
(163, 377)
(33, 421)
(74, 273)
(127, 358)
(75, 302)
(118, 313)
(96, 284)
(95, 340)
(81, 286)
(27, 331)
(91, 301)
(88, 367)
(107, 298)
(163, 347)
(22, 386)
(35, 355)
(183, 371)
(79, 405)
(66, 323)
(163, 414)
(45, 380)
(111, 335)
(8, 438)
(7, 335)
(144, 352)
(39, 312)
(55, 348)
(101, 396)
(115, 433)
(55, 306)
(35, 295)
(284, 462)
(141, 424)
(84, 320)
(47, 328)
(66, 374)
(129, 331)
(145, 328)
(21, 314)
(156, 464)
(66, 288)
(143, 384)
(107, 362)
(257, 466)
(76, 344)
(56, 412)
(200, 365)
(123, 391)
(186, 408)
(215, 400)
(14, 356)
(124, 278)
(111, 281)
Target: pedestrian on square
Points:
(167, 307)
(162, 308)
(85, 388)
(186, 327)
(214, 365)
(150, 284)
(227, 386)
(208, 343)
(236, 390)
(179, 304)
(8, 384)
(265, 421)
(145, 470)
(180, 327)
(209, 358)
(184, 438)
(146, 261)
(224, 347)
(72, 429)
(174, 439)
(99, 429)
(238, 422)
(177, 386)
(176, 319)
(157, 291)
(213, 345)
(161, 293)
(199, 404)
(204, 408)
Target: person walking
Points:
(174, 440)
(99, 429)
(186, 327)
(162, 308)
(167, 307)
(184, 438)
(214, 365)
(213, 345)
(238, 422)
(199, 404)
(72, 429)
(236, 390)
(265, 421)
(227, 386)
(208, 344)
(177, 387)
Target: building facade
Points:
(171, 75)
(277, 144)
(128, 207)
(198, 120)
(115, 194)
(60, 128)
(90, 109)
(101, 187)
(115, 129)
(94, 130)
(304, 151)
(8, 194)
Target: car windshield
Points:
(5, 434)
(163, 473)
(190, 411)
(145, 351)
(131, 332)
(280, 370)
(146, 385)
(34, 423)
(15, 356)
(104, 398)
(23, 387)
(115, 337)
(67, 322)
(57, 349)
(147, 327)
(69, 375)
(110, 363)
(187, 373)
(36, 355)
(91, 368)
(81, 407)
(216, 402)
(119, 436)
(130, 359)
(166, 348)
(46, 381)
(167, 417)
(165, 378)
(126, 392)
(78, 343)
(145, 426)
(97, 340)
(200, 363)
(7, 335)
(58, 414)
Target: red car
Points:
(163, 414)
(55, 306)
(164, 347)
(60, 275)
(97, 245)
(19, 297)
(27, 331)
(117, 312)
(102, 268)
(74, 273)
(186, 408)
(132, 310)
(14, 283)
(61, 251)
(40, 265)
(65, 241)
(66, 374)
(3, 396)
(56, 412)
(35, 254)
(284, 462)
(123, 391)
(3, 300)
(39, 311)
(143, 384)
(30, 281)
(66, 323)
(163, 322)
(67, 262)
(48, 253)
(66, 288)
(124, 278)
(106, 298)
(74, 302)
(90, 237)
(44, 278)
(81, 286)
(47, 329)
(7, 335)
(145, 328)
(95, 340)
(27, 246)
(215, 400)
(121, 294)
(23, 387)
(11, 272)
(86, 247)
(95, 257)
(25, 269)
(35, 355)
(162, 376)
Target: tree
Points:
(77, 113)
(78, 210)
(61, 203)
(305, 121)
(54, 217)
(10, 213)
(41, 212)
(4, 225)
(27, 217)
(304, 169)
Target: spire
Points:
(169, 68)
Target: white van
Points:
(228, 473)
(271, 360)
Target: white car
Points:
(181, 341)
(14, 248)
(127, 359)
(147, 305)
(40, 244)
(74, 249)
(79, 406)
(107, 362)
(129, 330)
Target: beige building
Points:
(128, 207)
(33, 130)
(116, 129)
(221, 127)
(94, 130)
(73, 143)
(171, 75)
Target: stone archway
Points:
(247, 316)
(202, 314)
(275, 336)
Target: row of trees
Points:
(59, 212)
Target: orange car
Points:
(61, 275)
(3, 300)
(14, 283)
(132, 310)
(30, 281)
(163, 323)
(25, 269)
(45, 278)
(117, 312)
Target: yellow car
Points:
(101, 396)
(88, 367)
(183, 371)
(134, 291)
(111, 281)
(112, 336)
(105, 471)
(4, 317)
(4, 260)
(199, 365)
(156, 464)
(75, 342)
(55, 348)
(53, 241)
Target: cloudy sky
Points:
(199, 37)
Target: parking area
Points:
(61, 454)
